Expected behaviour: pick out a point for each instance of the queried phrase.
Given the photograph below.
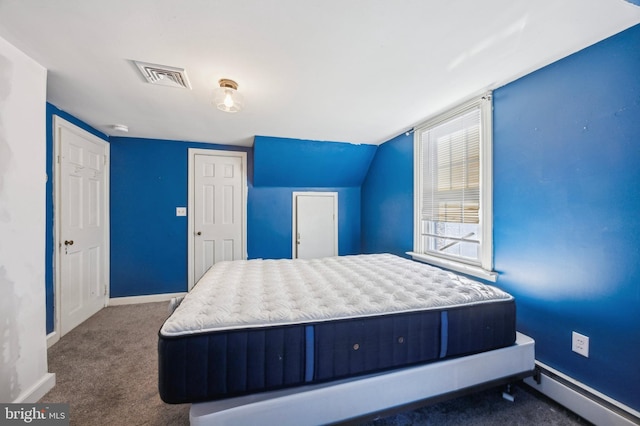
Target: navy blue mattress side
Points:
(483, 328)
(350, 347)
(218, 365)
(222, 364)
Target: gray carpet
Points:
(106, 369)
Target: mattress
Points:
(260, 325)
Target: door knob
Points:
(198, 233)
(68, 242)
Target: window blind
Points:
(451, 170)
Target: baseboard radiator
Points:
(587, 402)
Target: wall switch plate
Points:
(580, 344)
(181, 211)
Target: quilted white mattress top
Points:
(256, 293)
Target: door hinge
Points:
(105, 160)
(105, 290)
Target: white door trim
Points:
(58, 123)
(191, 202)
(294, 223)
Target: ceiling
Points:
(359, 71)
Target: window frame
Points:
(484, 267)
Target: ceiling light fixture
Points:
(226, 97)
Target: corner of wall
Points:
(23, 371)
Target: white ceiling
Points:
(358, 71)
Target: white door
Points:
(315, 229)
(82, 224)
(218, 211)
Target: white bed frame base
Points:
(352, 398)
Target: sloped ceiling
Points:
(357, 71)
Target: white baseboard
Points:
(150, 298)
(583, 400)
(37, 391)
(52, 338)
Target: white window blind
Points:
(451, 185)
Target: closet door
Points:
(315, 224)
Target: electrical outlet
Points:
(580, 344)
(181, 211)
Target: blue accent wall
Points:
(149, 179)
(387, 199)
(283, 166)
(51, 110)
(566, 203)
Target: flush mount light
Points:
(226, 97)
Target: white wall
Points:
(23, 347)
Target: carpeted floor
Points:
(106, 369)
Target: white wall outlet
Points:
(181, 211)
(580, 344)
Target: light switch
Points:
(181, 211)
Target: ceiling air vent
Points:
(164, 75)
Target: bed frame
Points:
(370, 396)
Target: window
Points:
(453, 190)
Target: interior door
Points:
(218, 210)
(81, 211)
(315, 225)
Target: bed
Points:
(276, 330)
